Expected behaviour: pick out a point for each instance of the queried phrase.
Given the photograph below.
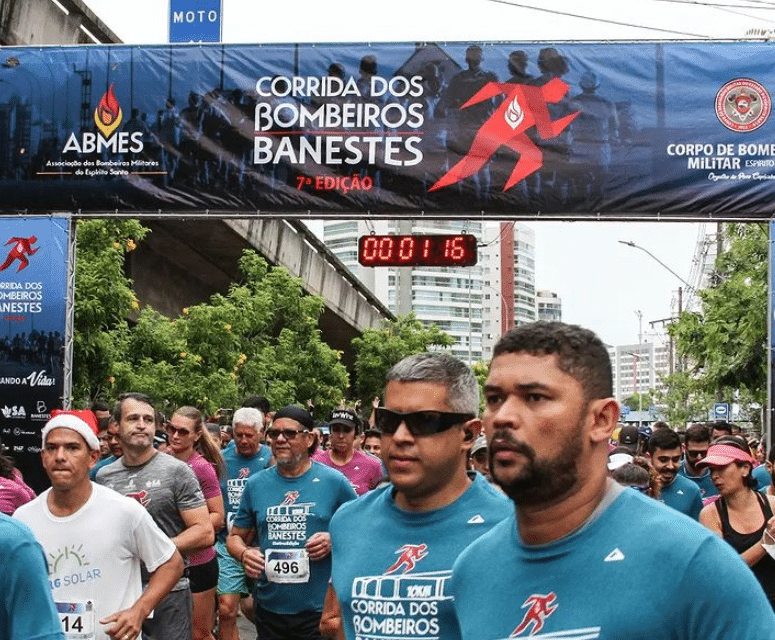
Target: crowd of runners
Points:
(540, 516)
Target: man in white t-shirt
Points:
(95, 540)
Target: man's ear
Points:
(605, 414)
(471, 431)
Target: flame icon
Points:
(108, 114)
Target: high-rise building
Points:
(508, 289)
(548, 305)
(639, 368)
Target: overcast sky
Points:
(602, 283)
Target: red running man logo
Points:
(290, 498)
(411, 554)
(141, 496)
(541, 607)
(21, 247)
(524, 107)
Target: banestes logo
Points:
(108, 117)
(524, 107)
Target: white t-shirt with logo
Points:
(94, 556)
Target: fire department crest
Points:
(743, 105)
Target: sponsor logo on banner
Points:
(13, 412)
(21, 249)
(743, 105)
(108, 117)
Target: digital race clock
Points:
(418, 251)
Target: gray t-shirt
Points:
(164, 485)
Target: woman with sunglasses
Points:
(741, 515)
(190, 442)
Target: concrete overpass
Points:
(183, 262)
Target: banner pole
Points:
(69, 314)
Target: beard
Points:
(539, 481)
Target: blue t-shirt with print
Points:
(682, 495)
(703, 481)
(238, 469)
(638, 571)
(391, 566)
(286, 513)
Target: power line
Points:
(768, 6)
(601, 20)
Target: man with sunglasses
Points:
(170, 492)
(695, 449)
(280, 533)
(562, 565)
(394, 547)
(362, 470)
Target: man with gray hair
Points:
(395, 584)
(247, 457)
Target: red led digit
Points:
(385, 248)
(406, 249)
(369, 253)
(457, 251)
(426, 247)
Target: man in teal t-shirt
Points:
(285, 511)
(676, 491)
(245, 457)
(697, 441)
(580, 550)
(394, 584)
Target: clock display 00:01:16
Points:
(446, 250)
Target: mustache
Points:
(503, 440)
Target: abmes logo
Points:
(108, 117)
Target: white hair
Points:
(248, 415)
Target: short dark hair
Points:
(372, 433)
(664, 439)
(722, 425)
(131, 395)
(100, 405)
(257, 402)
(580, 353)
(698, 433)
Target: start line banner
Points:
(669, 130)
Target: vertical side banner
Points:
(771, 351)
(33, 292)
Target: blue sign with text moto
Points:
(195, 20)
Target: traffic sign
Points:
(624, 410)
(195, 20)
(721, 411)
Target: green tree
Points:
(261, 337)
(104, 299)
(725, 344)
(378, 349)
(639, 400)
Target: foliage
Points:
(637, 400)
(262, 337)
(104, 299)
(377, 350)
(683, 400)
(725, 344)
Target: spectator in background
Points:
(372, 442)
(697, 441)
(628, 437)
(721, 428)
(14, 492)
(676, 491)
(191, 443)
(362, 470)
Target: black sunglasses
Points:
(288, 434)
(419, 423)
(173, 430)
